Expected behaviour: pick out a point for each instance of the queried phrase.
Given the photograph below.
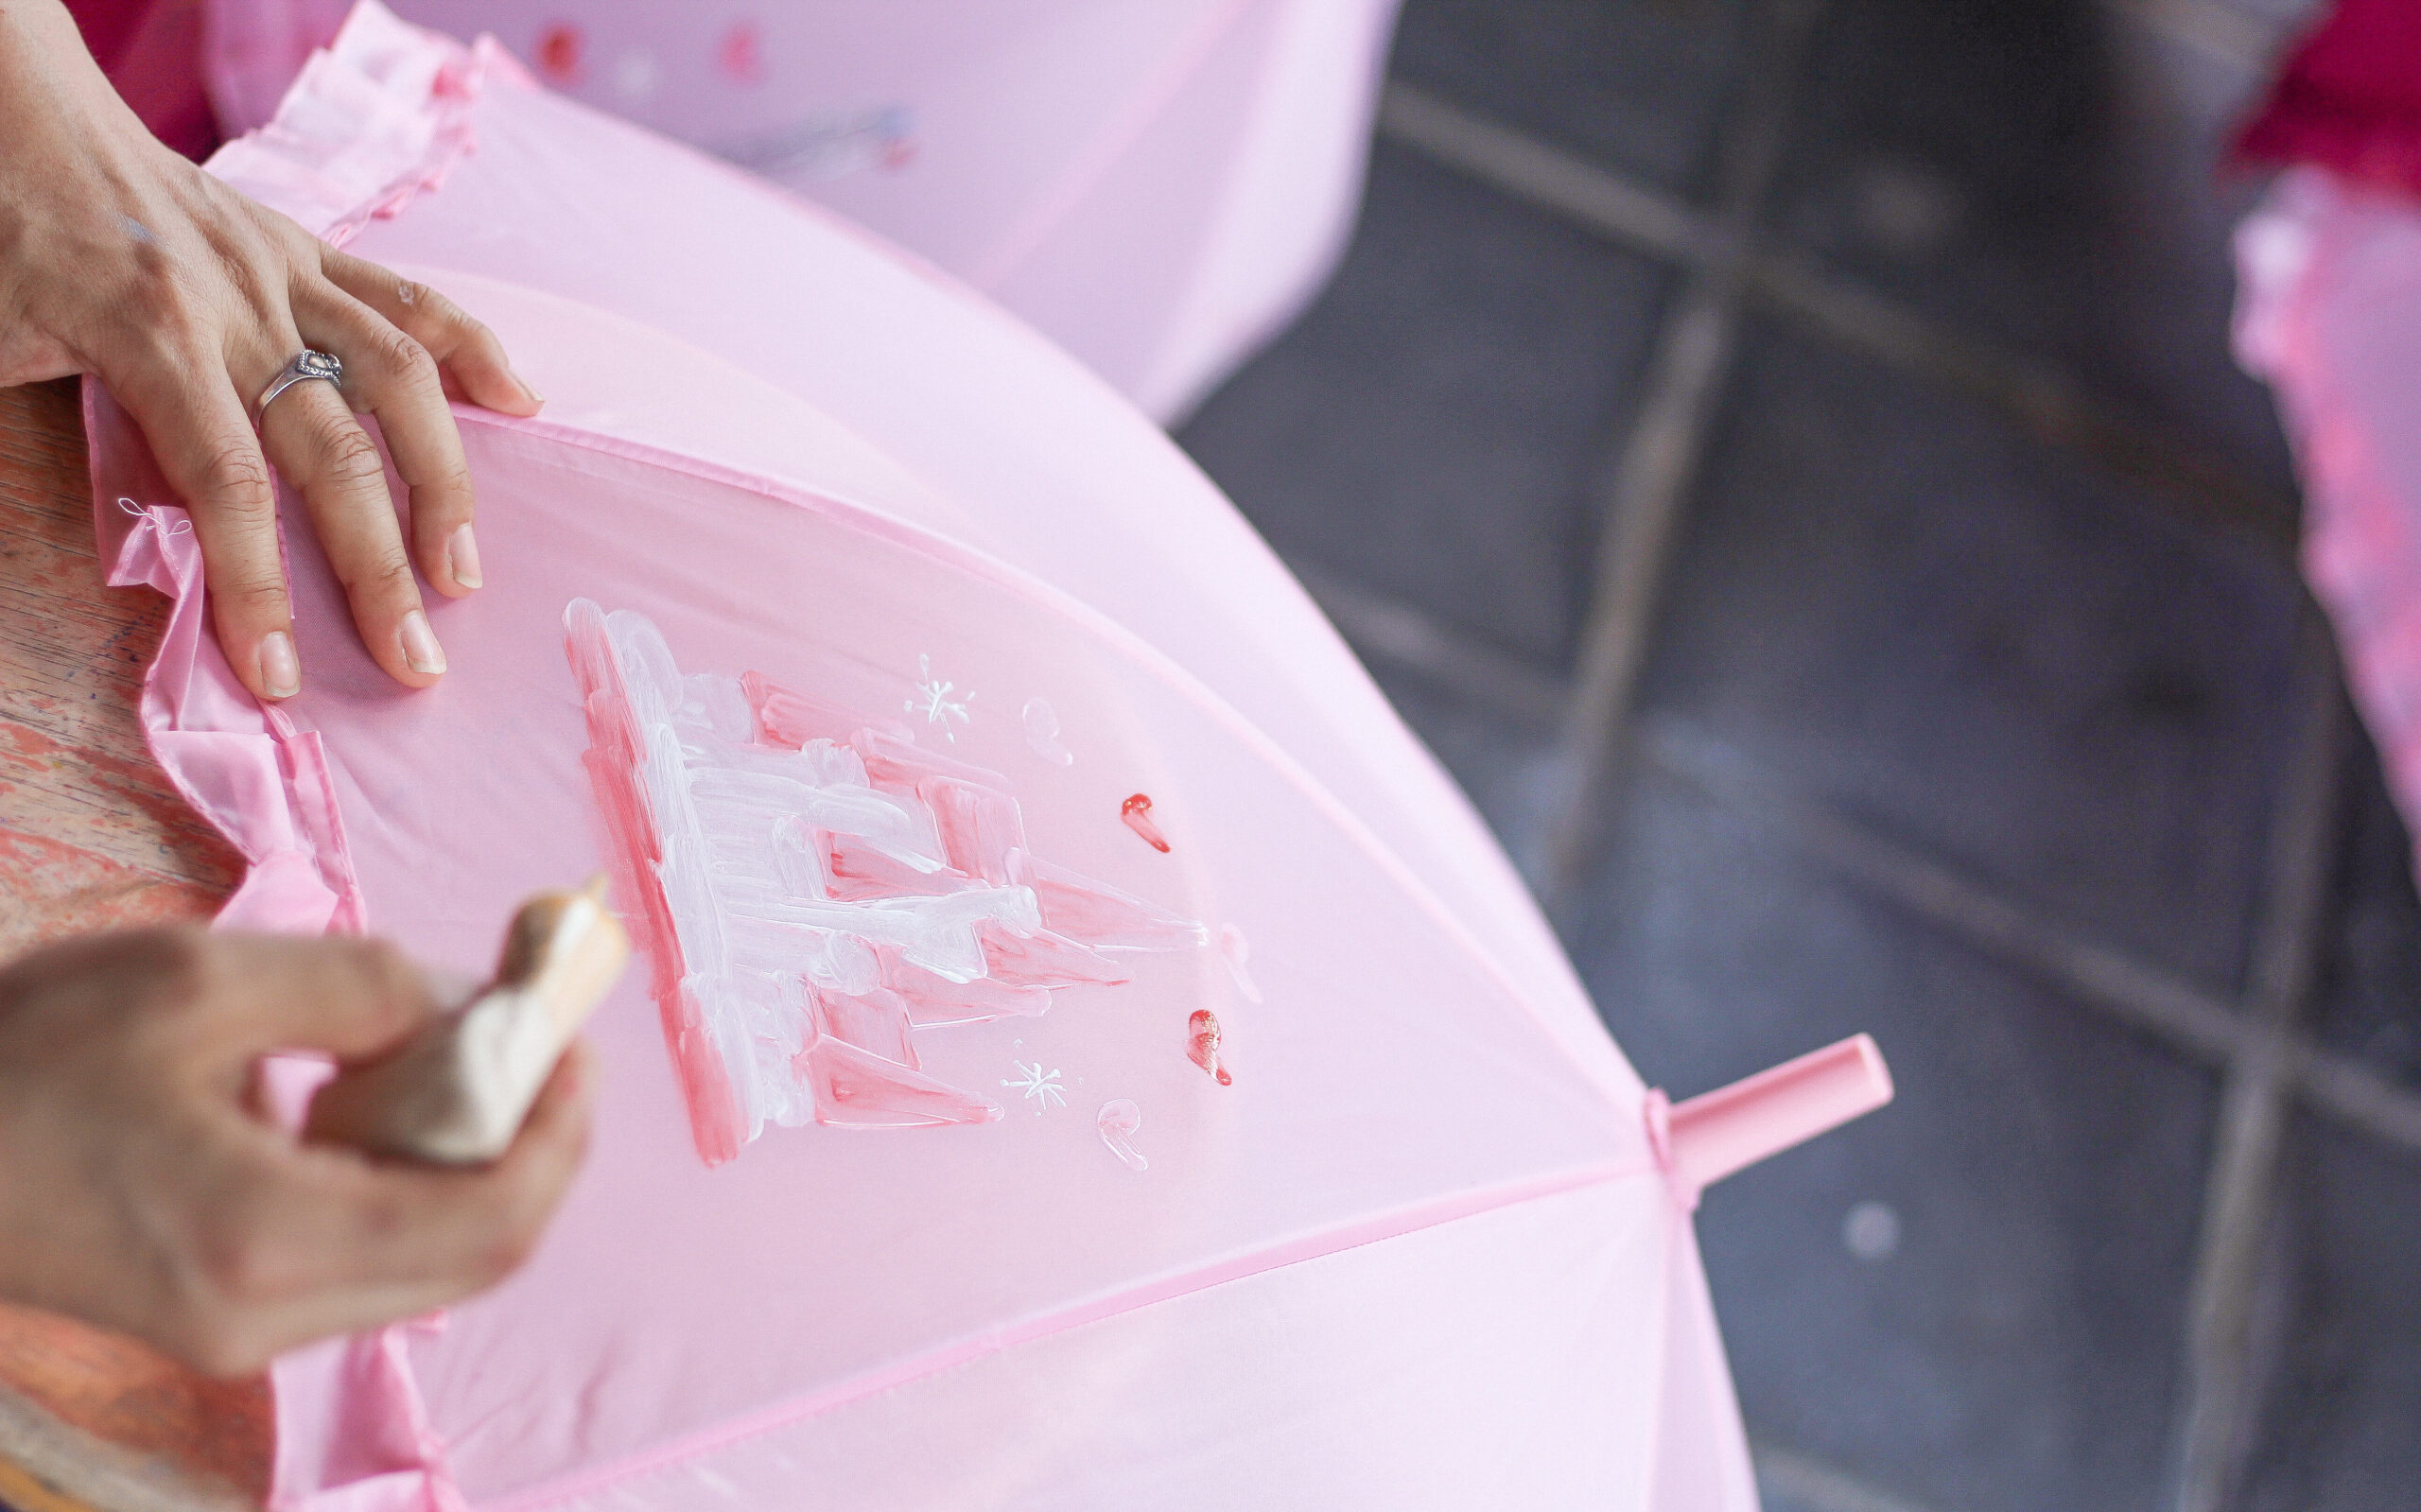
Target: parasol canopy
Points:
(1027, 146)
(1088, 1054)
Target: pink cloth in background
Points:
(1159, 185)
(152, 51)
(2348, 98)
(1429, 1246)
(2329, 313)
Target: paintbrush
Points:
(456, 1092)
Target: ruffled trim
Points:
(240, 764)
(378, 116)
(381, 115)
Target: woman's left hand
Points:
(122, 260)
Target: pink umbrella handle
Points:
(1717, 1133)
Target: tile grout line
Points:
(1656, 468)
(2269, 1064)
(1819, 1487)
(2042, 401)
(2143, 997)
(1377, 625)
(2221, 1400)
(1515, 164)
(2208, 25)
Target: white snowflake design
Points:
(1038, 1085)
(934, 700)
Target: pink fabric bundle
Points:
(1157, 184)
(2330, 312)
(1087, 1055)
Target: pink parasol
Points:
(1088, 1054)
(1027, 146)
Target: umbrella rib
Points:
(1595, 1061)
(1261, 1260)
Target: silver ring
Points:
(307, 365)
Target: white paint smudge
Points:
(636, 76)
(1118, 1123)
(1236, 951)
(935, 703)
(823, 893)
(1039, 1087)
(1042, 733)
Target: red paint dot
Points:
(1202, 1045)
(741, 56)
(558, 52)
(1136, 811)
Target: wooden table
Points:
(92, 836)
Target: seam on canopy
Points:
(1001, 574)
(377, 53)
(1163, 1288)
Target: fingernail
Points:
(281, 673)
(421, 651)
(463, 557)
(535, 397)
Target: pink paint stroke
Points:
(815, 892)
(1137, 812)
(1202, 1044)
(613, 760)
(1237, 951)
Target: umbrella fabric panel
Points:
(694, 402)
(1157, 184)
(1507, 1360)
(909, 506)
(1384, 1075)
(1065, 479)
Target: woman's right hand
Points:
(145, 1186)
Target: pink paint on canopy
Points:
(1434, 1250)
(1202, 1045)
(813, 905)
(1136, 813)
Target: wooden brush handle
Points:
(456, 1093)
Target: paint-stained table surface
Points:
(93, 837)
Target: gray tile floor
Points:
(1784, 456)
